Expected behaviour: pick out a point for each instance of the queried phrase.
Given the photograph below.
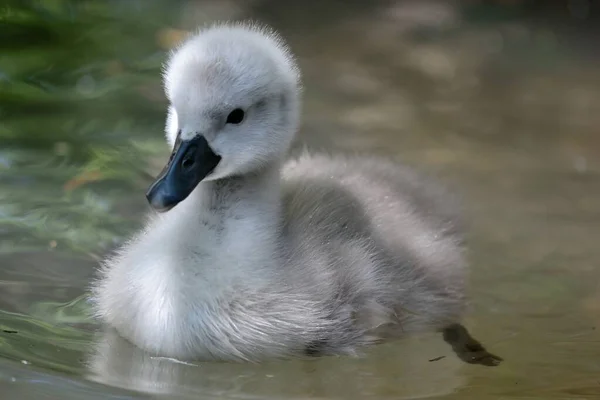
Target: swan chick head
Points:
(234, 93)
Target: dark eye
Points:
(236, 116)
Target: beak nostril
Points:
(187, 163)
(192, 160)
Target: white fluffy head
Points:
(228, 67)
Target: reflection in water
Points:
(401, 371)
(19, 381)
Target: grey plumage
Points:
(319, 255)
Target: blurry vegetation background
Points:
(82, 110)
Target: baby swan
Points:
(258, 258)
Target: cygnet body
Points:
(253, 257)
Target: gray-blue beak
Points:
(190, 162)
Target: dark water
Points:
(502, 102)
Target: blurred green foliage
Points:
(81, 112)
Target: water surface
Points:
(500, 102)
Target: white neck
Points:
(231, 227)
(221, 244)
(220, 199)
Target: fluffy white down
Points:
(318, 255)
